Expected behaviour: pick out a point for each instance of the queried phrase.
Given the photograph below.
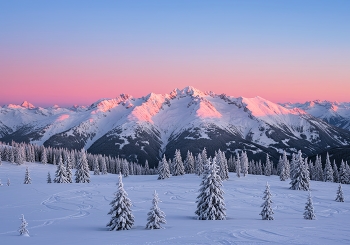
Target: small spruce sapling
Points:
(267, 212)
(49, 181)
(27, 179)
(340, 196)
(309, 209)
(156, 217)
(23, 228)
(8, 182)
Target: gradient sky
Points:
(76, 52)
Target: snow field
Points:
(77, 213)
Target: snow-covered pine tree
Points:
(8, 182)
(96, 167)
(0, 183)
(68, 168)
(309, 209)
(210, 201)
(335, 173)
(244, 163)
(54, 160)
(268, 166)
(189, 163)
(147, 172)
(204, 157)
(23, 228)
(286, 164)
(43, 156)
(318, 169)
(283, 175)
(259, 170)
(27, 179)
(48, 180)
(340, 196)
(103, 166)
(311, 170)
(343, 174)
(163, 169)
(279, 166)
(267, 212)
(222, 164)
(199, 165)
(12, 155)
(125, 168)
(122, 217)
(82, 174)
(61, 173)
(178, 164)
(156, 217)
(301, 177)
(328, 170)
(238, 165)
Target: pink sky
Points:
(64, 53)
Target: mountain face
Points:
(334, 113)
(188, 119)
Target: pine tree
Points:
(189, 163)
(163, 169)
(343, 174)
(199, 165)
(0, 183)
(282, 174)
(27, 179)
(238, 165)
(318, 169)
(244, 164)
(178, 164)
(125, 168)
(156, 217)
(301, 177)
(68, 170)
(61, 173)
(340, 196)
(82, 174)
(147, 172)
(122, 218)
(48, 180)
(309, 209)
(210, 201)
(267, 212)
(335, 173)
(43, 156)
(103, 166)
(12, 155)
(268, 166)
(23, 228)
(328, 170)
(8, 182)
(222, 164)
(96, 167)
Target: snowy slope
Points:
(335, 113)
(145, 128)
(77, 213)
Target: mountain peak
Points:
(27, 105)
(189, 90)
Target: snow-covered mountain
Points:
(187, 119)
(335, 113)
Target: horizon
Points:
(19, 103)
(77, 52)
